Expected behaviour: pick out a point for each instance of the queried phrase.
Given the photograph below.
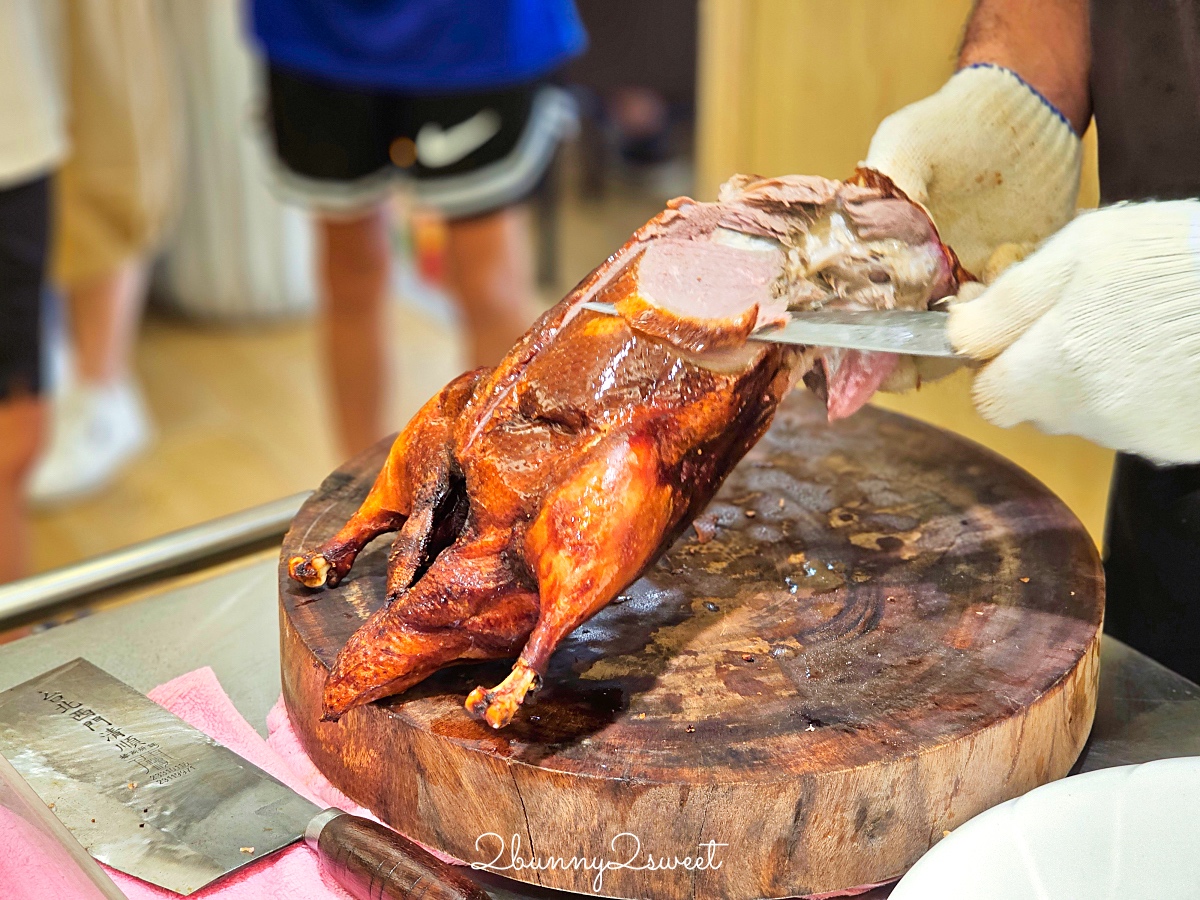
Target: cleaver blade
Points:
(911, 332)
(148, 794)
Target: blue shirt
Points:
(420, 46)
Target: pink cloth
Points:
(281, 737)
(289, 874)
(33, 864)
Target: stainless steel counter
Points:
(226, 618)
(227, 621)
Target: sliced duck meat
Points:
(704, 294)
(706, 276)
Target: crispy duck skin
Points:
(526, 497)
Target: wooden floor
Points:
(241, 416)
(225, 404)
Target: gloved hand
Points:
(1098, 333)
(994, 163)
(996, 166)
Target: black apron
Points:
(1146, 97)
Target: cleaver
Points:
(147, 794)
(912, 332)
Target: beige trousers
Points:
(119, 187)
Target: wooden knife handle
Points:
(375, 863)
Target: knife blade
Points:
(912, 332)
(148, 794)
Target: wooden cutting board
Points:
(889, 630)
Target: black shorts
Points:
(342, 148)
(24, 233)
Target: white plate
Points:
(1116, 834)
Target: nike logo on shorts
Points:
(438, 147)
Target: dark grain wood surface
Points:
(887, 630)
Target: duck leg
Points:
(594, 534)
(467, 606)
(416, 474)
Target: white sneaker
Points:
(95, 432)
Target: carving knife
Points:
(912, 332)
(147, 794)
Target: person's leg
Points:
(355, 266)
(104, 313)
(490, 267)
(115, 195)
(120, 187)
(24, 228)
(22, 427)
(347, 192)
(99, 422)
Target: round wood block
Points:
(877, 631)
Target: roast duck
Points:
(526, 497)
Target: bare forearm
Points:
(1046, 42)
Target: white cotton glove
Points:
(1098, 333)
(994, 163)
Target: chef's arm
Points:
(1046, 42)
